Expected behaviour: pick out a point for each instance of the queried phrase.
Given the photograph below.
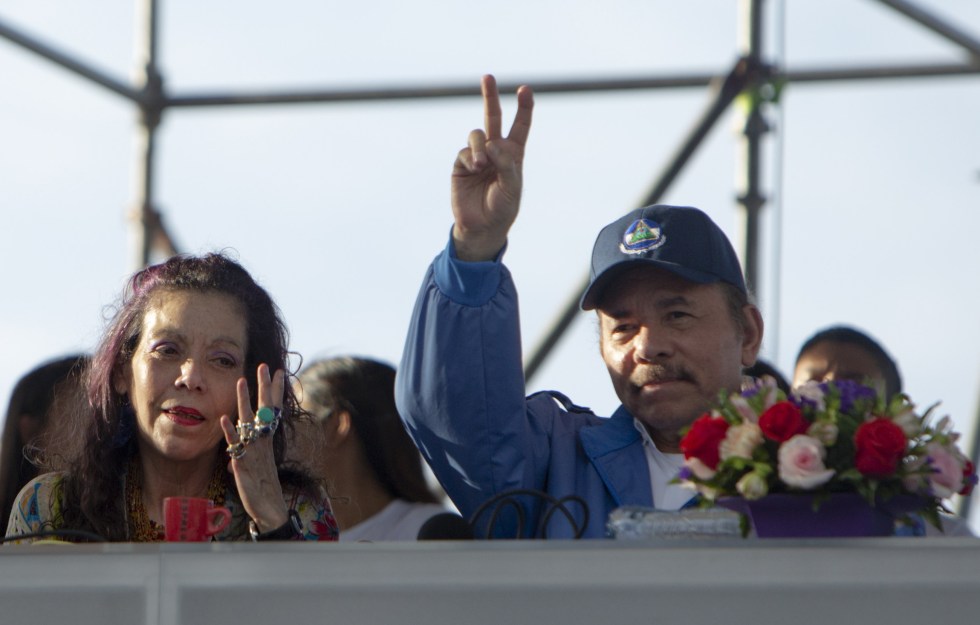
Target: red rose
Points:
(782, 421)
(969, 478)
(703, 440)
(879, 446)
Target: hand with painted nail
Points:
(254, 466)
(488, 177)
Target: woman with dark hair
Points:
(26, 420)
(181, 381)
(360, 448)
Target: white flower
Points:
(744, 409)
(801, 462)
(752, 486)
(916, 480)
(740, 441)
(812, 392)
(771, 389)
(708, 492)
(910, 422)
(824, 431)
(699, 469)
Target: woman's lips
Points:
(183, 415)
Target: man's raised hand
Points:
(487, 177)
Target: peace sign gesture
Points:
(487, 177)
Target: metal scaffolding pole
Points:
(753, 128)
(142, 215)
(150, 233)
(67, 62)
(744, 73)
(936, 25)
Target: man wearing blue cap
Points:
(676, 327)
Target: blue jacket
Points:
(460, 389)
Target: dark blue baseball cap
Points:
(680, 239)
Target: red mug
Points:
(193, 519)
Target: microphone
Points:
(446, 526)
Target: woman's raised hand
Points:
(253, 461)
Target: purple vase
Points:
(840, 515)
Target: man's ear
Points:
(337, 429)
(751, 334)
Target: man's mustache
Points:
(658, 374)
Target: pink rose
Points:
(801, 462)
(946, 478)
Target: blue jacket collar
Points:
(616, 451)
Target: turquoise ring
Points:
(265, 415)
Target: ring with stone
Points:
(246, 431)
(265, 429)
(264, 426)
(236, 450)
(266, 415)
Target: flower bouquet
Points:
(823, 440)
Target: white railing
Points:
(827, 581)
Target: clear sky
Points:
(337, 209)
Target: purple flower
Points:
(851, 393)
(809, 395)
(751, 390)
(685, 473)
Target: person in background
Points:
(359, 447)
(185, 396)
(676, 327)
(25, 423)
(845, 353)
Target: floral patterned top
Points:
(38, 509)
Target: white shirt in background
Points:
(399, 520)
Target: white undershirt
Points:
(663, 468)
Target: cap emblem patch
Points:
(643, 235)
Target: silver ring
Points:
(236, 450)
(246, 431)
(262, 428)
(265, 429)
